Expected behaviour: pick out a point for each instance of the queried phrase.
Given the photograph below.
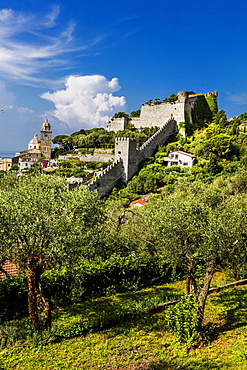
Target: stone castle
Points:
(169, 117)
(157, 113)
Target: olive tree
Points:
(192, 229)
(43, 223)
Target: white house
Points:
(25, 164)
(181, 159)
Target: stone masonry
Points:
(157, 114)
(128, 159)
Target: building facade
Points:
(37, 148)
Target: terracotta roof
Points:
(139, 202)
(184, 153)
(9, 268)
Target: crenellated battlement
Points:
(105, 180)
(128, 158)
(165, 115)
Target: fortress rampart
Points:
(158, 113)
(128, 159)
(107, 179)
(188, 108)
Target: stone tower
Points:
(45, 139)
(125, 149)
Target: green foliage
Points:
(140, 136)
(120, 115)
(59, 139)
(220, 119)
(172, 99)
(76, 167)
(135, 342)
(91, 279)
(222, 145)
(13, 297)
(55, 152)
(14, 331)
(99, 278)
(183, 320)
(135, 113)
(105, 319)
(212, 102)
(14, 167)
(42, 224)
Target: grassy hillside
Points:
(139, 341)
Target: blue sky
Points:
(78, 62)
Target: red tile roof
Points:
(140, 202)
(10, 268)
(184, 153)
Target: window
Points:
(185, 163)
(176, 156)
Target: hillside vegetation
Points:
(137, 342)
(220, 148)
(94, 272)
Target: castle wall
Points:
(189, 105)
(159, 114)
(107, 179)
(159, 138)
(128, 158)
(117, 124)
(98, 156)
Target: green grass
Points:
(137, 342)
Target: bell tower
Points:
(45, 139)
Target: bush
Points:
(13, 297)
(95, 279)
(183, 320)
(89, 280)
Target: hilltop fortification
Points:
(187, 108)
(179, 112)
(128, 158)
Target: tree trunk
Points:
(46, 308)
(32, 295)
(35, 295)
(202, 297)
(187, 284)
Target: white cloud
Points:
(239, 99)
(87, 101)
(37, 50)
(6, 97)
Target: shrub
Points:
(183, 320)
(13, 297)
